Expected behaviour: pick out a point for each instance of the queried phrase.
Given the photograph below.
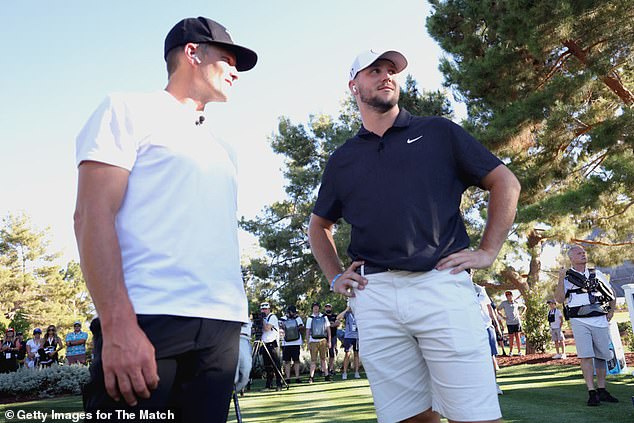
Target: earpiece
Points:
(197, 59)
(354, 88)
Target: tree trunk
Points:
(534, 245)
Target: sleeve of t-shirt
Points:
(299, 321)
(328, 205)
(107, 136)
(473, 160)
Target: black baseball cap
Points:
(204, 30)
(316, 304)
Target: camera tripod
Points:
(258, 345)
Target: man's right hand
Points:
(129, 365)
(349, 280)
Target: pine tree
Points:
(548, 86)
(34, 290)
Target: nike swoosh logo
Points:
(414, 140)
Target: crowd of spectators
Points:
(319, 336)
(43, 349)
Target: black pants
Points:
(269, 368)
(196, 360)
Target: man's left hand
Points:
(244, 363)
(466, 259)
(610, 315)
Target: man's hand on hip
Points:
(349, 280)
(466, 259)
(129, 365)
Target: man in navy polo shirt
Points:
(399, 183)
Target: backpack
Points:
(318, 327)
(291, 330)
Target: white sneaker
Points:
(344, 376)
(557, 356)
(500, 392)
(563, 356)
(357, 375)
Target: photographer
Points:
(293, 326)
(590, 305)
(270, 335)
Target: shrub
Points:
(43, 383)
(627, 336)
(536, 327)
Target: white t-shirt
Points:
(576, 300)
(299, 341)
(484, 301)
(34, 345)
(273, 334)
(177, 226)
(558, 318)
(309, 323)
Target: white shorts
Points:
(591, 341)
(556, 334)
(423, 345)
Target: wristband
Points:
(332, 284)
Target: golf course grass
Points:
(532, 394)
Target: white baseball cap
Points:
(366, 58)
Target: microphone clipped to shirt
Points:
(200, 120)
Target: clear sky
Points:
(61, 57)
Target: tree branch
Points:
(627, 206)
(611, 80)
(606, 244)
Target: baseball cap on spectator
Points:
(551, 302)
(18, 333)
(37, 330)
(508, 292)
(77, 323)
(366, 58)
(265, 305)
(328, 305)
(316, 304)
(10, 330)
(204, 30)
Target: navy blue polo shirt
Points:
(401, 192)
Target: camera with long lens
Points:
(257, 326)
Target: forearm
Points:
(101, 266)
(559, 290)
(503, 196)
(323, 247)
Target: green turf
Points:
(558, 394)
(532, 394)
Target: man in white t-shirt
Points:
(293, 328)
(589, 320)
(270, 336)
(488, 317)
(556, 322)
(319, 344)
(157, 234)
